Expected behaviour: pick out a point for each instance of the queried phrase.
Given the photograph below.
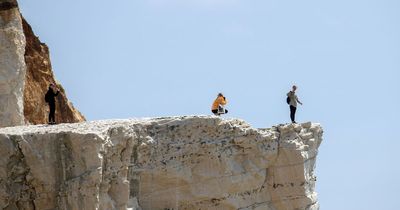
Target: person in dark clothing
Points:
(50, 98)
(293, 100)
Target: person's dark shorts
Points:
(215, 111)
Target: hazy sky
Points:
(132, 58)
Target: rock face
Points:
(39, 75)
(25, 74)
(196, 162)
(12, 64)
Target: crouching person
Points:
(218, 105)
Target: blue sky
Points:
(125, 59)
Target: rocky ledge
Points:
(193, 162)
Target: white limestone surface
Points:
(12, 65)
(191, 162)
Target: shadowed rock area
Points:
(186, 163)
(8, 4)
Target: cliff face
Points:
(25, 74)
(163, 163)
(12, 64)
(39, 75)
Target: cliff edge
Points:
(193, 162)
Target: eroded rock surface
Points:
(196, 162)
(12, 64)
(39, 75)
(25, 74)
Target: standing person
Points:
(218, 105)
(292, 101)
(50, 98)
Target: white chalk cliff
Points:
(12, 65)
(196, 162)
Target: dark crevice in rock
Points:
(7, 5)
(133, 174)
(18, 173)
(61, 176)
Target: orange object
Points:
(219, 101)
